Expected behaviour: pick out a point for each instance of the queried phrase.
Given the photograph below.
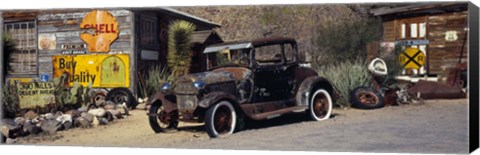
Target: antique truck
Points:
(258, 80)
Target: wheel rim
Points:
(321, 105)
(368, 98)
(99, 98)
(222, 120)
(165, 119)
(120, 97)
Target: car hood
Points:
(219, 75)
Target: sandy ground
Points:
(439, 126)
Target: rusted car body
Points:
(258, 79)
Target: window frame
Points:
(28, 48)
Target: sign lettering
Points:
(100, 30)
(412, 58)
(35, 94)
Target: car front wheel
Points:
(220, 119)
(320, 106)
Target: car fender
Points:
(214, 97)
(168, 101)
(306, 87)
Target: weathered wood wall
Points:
(445, 54)
(66, 28)
(389, 31)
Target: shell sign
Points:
(101, 29)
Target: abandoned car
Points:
(255, 80)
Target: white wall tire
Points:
(220, 119)
(320, 105)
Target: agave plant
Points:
(157, 75)
(346, 76)
(179, 48)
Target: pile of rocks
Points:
(32, 123)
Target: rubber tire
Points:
(153, 120)
(131, 101)
(210, 114)
(356, 101)
(310, 111)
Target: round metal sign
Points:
(412, 58)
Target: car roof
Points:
(249, 44)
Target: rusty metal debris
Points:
(436, 90)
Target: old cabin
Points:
(437, 31)
(93, 46)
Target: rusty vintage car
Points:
(258, 80)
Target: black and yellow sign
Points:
(412, 58)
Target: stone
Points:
(99, 112)
(115, 113)
(30, 115)
(95, 122)
(103, 121)
(5, 130)
(49, 116)
(11, 141)
(51, 126)
(82, 122)
(20, 121)
(73, 113)
(89, 117)
(65, 118)
(67, 125)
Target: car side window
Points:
(269, 55)
(289, 53)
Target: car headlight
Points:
(166, 87)
(199, 84)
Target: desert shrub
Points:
(157, 75)
(11, 103)
(9, 46)
(346, 76)
(179, 48)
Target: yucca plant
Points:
(346, 76)
(9, 46)
(179, 48)
(157, 75)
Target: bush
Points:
(11, 103)
(346, 76)
(157, 75)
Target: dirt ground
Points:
(439, 126)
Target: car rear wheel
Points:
(320, 106)
(220, 119)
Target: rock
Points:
(95, 122)
(5, 131)
(73, 113)
(65, 118)
(103, 121)
(11, 141)
(67, 125)
(115, 113)
(109, 105)
(82, 109)
(49, 116)
(89, 117)
(97, 112)
(30, 115)
(51, 126)
(58, 114)
(20, 121)
(82, 122)
(109, 116)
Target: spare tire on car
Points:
(366, 98)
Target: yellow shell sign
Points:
(412, 58)
(106, 71)
(101, 29)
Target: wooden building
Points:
(139, 36)
(439, 30)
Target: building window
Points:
(149, 32)
(24, 59)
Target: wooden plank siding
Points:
(389, 31)
(66, 28)
(444, 54)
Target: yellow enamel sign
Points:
(412, 58)
(105, 71)
(101, 29)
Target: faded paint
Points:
(35, 94)
(106, 71)
(105, 30)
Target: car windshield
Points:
(228, 57)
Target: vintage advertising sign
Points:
(47, 41)
(35, 94)
(101, 29)
(412, 58)
(105, 70)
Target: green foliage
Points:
(346, 76)
(393, 66)
(75, 96)
(157, 75)
(179, 48)
(346, 38)
(9, 45)
(11, 103)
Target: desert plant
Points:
(157, 75)
(75, 96)
(179, 48)
(9, 45)
(346, 76)
(11, 103)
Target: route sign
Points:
(412, 58)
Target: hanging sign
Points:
(100, 30)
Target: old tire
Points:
(366, 98)
(120, 95)
(160, 120)
(320, 105)
(220, 119)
